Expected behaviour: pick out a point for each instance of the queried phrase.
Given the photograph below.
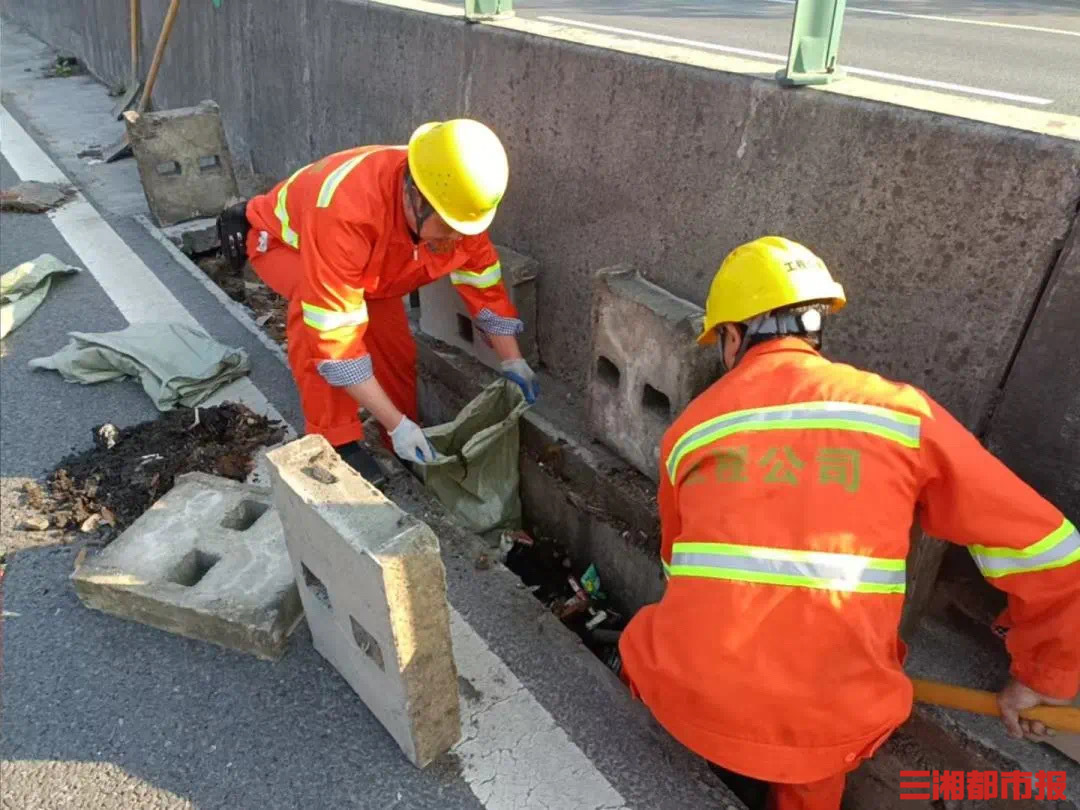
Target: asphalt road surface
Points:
(1023, 52)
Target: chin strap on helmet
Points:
(421, 211)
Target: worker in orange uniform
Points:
(345, 238)
(788, 490)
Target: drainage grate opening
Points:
(464, 328)
(170, 168)
(208, 163)
(193, 567)
(607, 371)
(243, 516)
(656, 402)
(367, 643)
(316, 586)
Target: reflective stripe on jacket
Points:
(344, 214)
(787, 495)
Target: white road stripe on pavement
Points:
(877, 74)
(989, 23)
(513, 753)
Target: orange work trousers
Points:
(330, 411)
(825, 794)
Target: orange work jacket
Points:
(787, 495)
(344, 215)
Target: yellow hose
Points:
(1059, 718)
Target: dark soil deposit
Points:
(104, 489)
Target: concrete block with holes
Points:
(443, 314)
(373, 587)
(207, 561)
(646, 364)
(184, 163)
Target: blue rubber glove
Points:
(519, 372)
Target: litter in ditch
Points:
(577, 599)
(270, 310)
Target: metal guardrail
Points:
(815, 37)
(815, 41)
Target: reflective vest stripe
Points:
(325, 320)
(778, 566)
(1058, 549)
(335, 178)
(288, 235)
(488, 277)
(326, 192)
(895, 426)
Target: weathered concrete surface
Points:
(1036, 428)
(207, 561)
(31, 197)
(373, 587)
(194, 237)
(921, 215)
(646, 364)
(184, 162)
(443, 314)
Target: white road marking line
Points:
(513, 753)
(133, 288)
(854, 71)
(965, 21)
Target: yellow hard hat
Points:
(461, 168)
(763, 275)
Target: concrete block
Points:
(207, 561)
(646, 364)
(183, 161)
(443, 314)
(194, 237)
(373, 587)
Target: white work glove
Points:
(518, 371)
(410, 443)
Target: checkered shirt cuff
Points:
(488, 321)
(340, 373)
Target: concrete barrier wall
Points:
(942, 228)
(1036, 428)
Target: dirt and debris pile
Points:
(33, 197)
(104, 489)
(576, 598)
(270, 309)
(64, 66)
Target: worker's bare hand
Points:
(1015, 698)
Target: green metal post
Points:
(815, 40)
(480, 10)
